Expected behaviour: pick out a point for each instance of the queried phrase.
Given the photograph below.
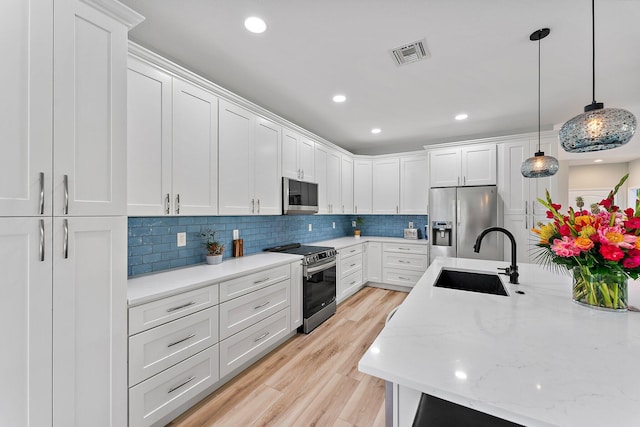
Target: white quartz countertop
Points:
(536, 358)
(150, 287)
(343, 242)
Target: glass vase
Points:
(605, 291)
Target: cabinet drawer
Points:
(155, 313)
(401, 277)
(156, 397)
(351, 264)
(351, 250)
(157, 349)
(405, 248)
(245, 284)
(350, 282)
(242, 312)
(241, 347)
(404, 261)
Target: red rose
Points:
(633, 223)
(611, 253)
(564, 230)
(629, 212)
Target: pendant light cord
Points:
(593, 48)
(539, 94)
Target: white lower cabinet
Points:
(190, 343)
(374, 261)
(349, 271)
(151, 400)
(403, 263)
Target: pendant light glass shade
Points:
(598, 128)
(539, 165)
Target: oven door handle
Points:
(322, 267)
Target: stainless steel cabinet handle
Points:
(352, 265)
(356, 208)
(342, 208)
(261, 280)
(403, 278)
(65, 243)
(404, 262)
(353, 283)
(178, 204)
(261, 337)
(458, 212)
(397, 209)
(352, 250)
(404, 249)
(299, 175)
(41, 193)
(261, 305)
(533, 208)
(526, 222)
(172, 389)
(182, 340)
(167, 202)
(253, 206)
(258, 206)
(169, 310)
(526, 207)
(65, 182)
(42, 240)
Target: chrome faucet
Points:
(512, 270)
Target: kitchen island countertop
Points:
(536, 358)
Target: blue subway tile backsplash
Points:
(152, 242)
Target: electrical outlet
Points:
(181, 239)
(310, 227)
(353, 223)
(334, 225)
(410, 224)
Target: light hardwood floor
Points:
(310, 380)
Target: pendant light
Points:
(539, 165)
(598, 128)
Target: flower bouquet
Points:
(601, 249)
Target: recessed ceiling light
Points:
(339, 98)
(462, 116)
(255, 25)
(376, 130)
(597, 161)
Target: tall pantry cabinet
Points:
(62, 212)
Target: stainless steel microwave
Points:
(299, 197)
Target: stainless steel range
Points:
(318, 284)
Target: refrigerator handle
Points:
(458, 211)
(526, 207)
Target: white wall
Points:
(588, 179)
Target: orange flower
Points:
(583, 243)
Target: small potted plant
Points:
(359, 221)
(214, 248)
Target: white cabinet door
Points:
(90, 72)
(374, 261)
(386, 186)
(479, 165)
(320, 159)
(305, 159)
(236, 133)
(148, 140)
(347, 184)
(266, 168)
(414, 185)
(26, 28)
(362, 186)
(512, 186)
(334, 192)
(444, 167)
(195, 150)
(25, 321)
(290, 141)
(519, 226)
(90, 321)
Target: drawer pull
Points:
(182, 340)
(352, 250)
(169, 310)
(404, 249)
(403, 278)
(352, 265)
(261, 280)
(172, 389)
(353, 283)
(261, 305)
(261, 337)
(401, 261)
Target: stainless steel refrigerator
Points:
(457, 216)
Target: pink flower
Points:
(631, 262)
(565, 248)
(615, 236)
(611, 253)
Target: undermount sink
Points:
(485, 283)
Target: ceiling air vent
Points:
(412, 52)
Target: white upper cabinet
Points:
(327, 174)
(414, 184)
(297, 156)
(320, 158)
(386, 186)
(195, 150)
(148, 140)
(463, 166)
(90, 72)
(26, 80)
(362, 186)
(347, 184)
(249, 163)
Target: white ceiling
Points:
(482, 63)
